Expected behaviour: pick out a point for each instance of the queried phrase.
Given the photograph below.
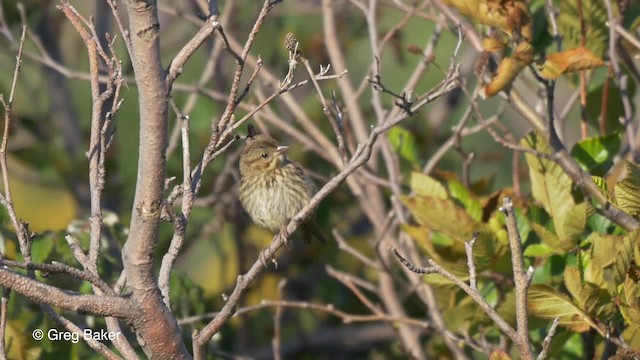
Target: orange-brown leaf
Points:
(508, 69)
(576, 59)
(499, 355)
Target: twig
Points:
(348, 281)
(330, 309)
(627, 119)
(547, 339)
(175, 68)
(96, 345)
(520, 277)
(4, 306)
(24, 239)
(405, 99)
(475, 295)
(251, 80)
(335, 122)
(627, 35)
(95, 154)
(356, 119)
(276, 342)
(552, 15)
(584, 125)
(181, 220)
(64, 269)
(343, 245)
(123, 31)
(468, 247)
(50, 295)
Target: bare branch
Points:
(474, 294)
(521, 279)
(50, 295)
(24, 238)
(547, 339)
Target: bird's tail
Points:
(311, 229)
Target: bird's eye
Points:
(265, 155)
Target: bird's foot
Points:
(284, 234)
(264, 260)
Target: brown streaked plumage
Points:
(273, 188)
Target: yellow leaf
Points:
(627, 191)
(441, 215)
(425, 185)
(492, 45)
(508, 16)
(545, 302)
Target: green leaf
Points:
(599, 223)
(507, 308)
(425, 185)
(546, 236)
(601, 183)
(488, 250)
(541, 38)
(551, 270)
(597, 302)
(545, 302)
(447, 256)
(596, 154)
(469, 201)
(591, 272)
(551, 186)
(404, 143)
(603, 251)
(573, 281)
(539, 250)
(574, 223)
(627, 191)
(600, 88)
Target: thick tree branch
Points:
(159, 333)
(84, 304)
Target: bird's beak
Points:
(281, 150)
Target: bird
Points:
(273, 189)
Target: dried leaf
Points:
(576, 59)
(492, 45)
(509, 69)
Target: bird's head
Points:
(261, 153)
